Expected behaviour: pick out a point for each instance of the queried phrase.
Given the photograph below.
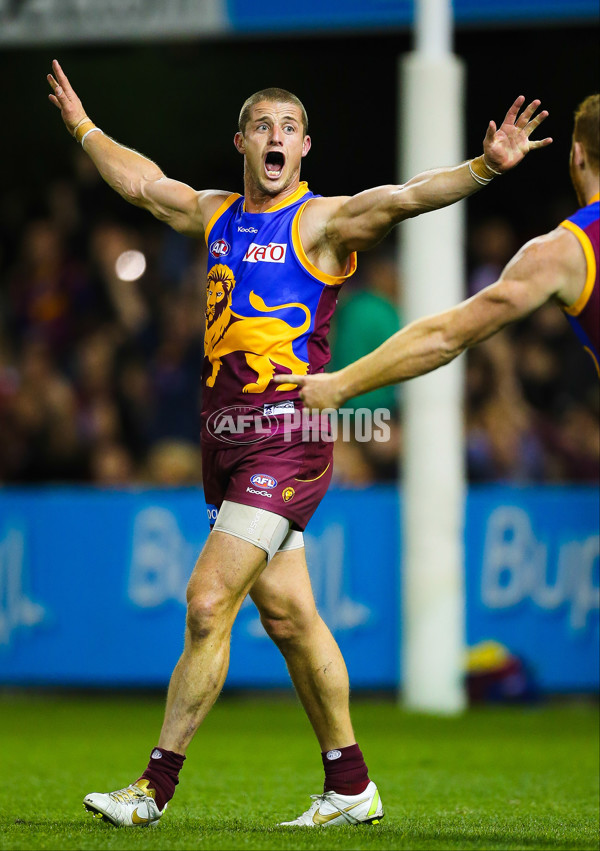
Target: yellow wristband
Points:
(479, 167)
(92, 129)
(84, 125)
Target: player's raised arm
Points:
(550, 266)
(363, 220)
(136, 178)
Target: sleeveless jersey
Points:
(584, 315)
(268, 311)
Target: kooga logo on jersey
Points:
(274, 252)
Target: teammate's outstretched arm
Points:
(362, 221)
(550, 266)
(136, 178)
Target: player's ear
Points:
(579, 154)
(238, 141)
(306, 145)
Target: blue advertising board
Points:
(532, 579)
(89, 577)
(382, 14)
(53, 21)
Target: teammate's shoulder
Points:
(553, 255)
(561, 257)
(551, 265)
(555, 244)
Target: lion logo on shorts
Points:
(265, 340)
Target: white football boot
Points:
(331, 808)
(133, 806)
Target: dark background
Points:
(178, 103)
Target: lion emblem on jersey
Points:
(266, 341)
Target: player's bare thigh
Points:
(226, 569)
(283, 590)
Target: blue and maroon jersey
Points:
(584, 315)
(268, 309)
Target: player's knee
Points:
(288, 626)
(205, 615)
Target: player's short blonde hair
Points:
(587, 128)
(273, 95)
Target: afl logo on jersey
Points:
(263, 481)
(219, 248)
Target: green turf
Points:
(495, 778)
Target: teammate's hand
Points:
(316, 391)
(64, 98)
(504, 147)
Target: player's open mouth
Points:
(274, 162)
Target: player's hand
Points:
(505, 146)
(316, 391)
(64, 98)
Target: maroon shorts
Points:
(289, 478)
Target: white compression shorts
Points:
(266, 530)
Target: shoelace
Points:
(127, 795)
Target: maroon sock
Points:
(345, 771)
(163, 774)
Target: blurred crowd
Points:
(101, 349)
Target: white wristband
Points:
(87, 133)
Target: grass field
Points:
(495, 778)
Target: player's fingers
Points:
(60, 74)
(57, 88)
(54, 100)
(527, 113)
(62, 78)
(535, 122)
(541, 143)
(512, 113)
(289, 379)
